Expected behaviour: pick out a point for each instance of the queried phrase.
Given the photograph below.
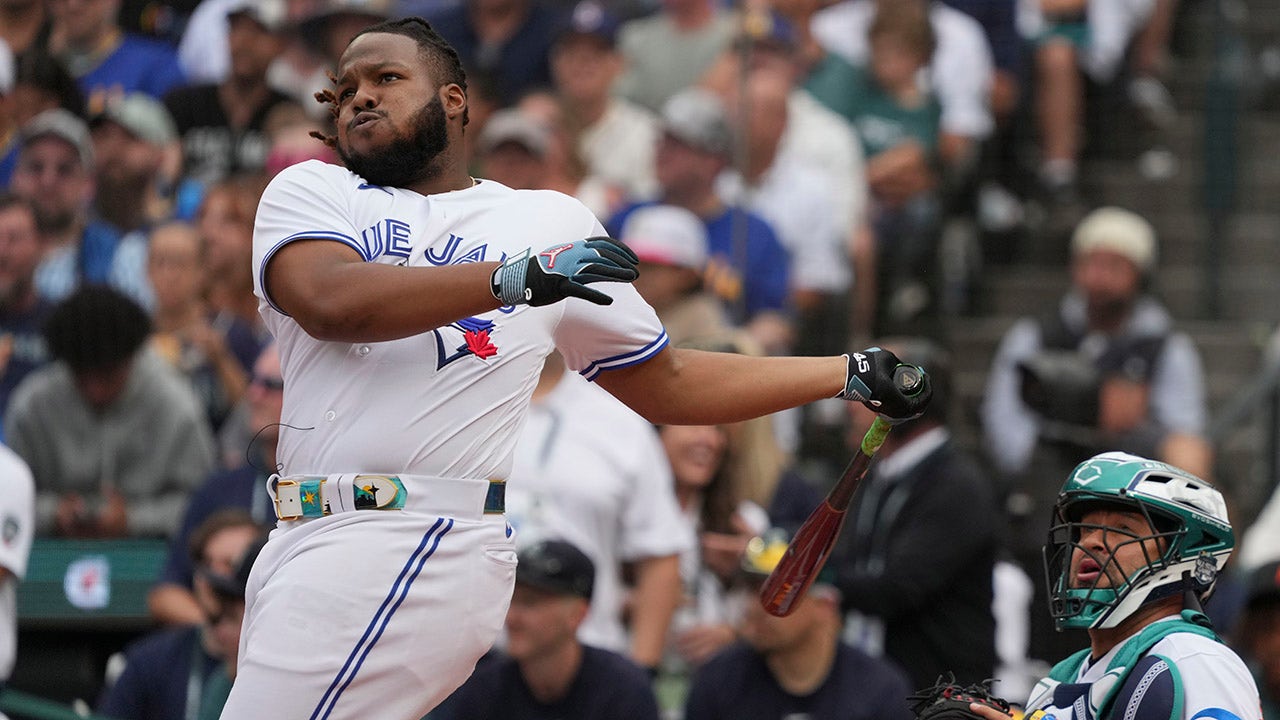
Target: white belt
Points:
(298, 497)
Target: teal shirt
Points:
(879, 120)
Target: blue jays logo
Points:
(475, 341)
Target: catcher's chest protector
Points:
(1096, 700)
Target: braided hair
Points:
(434, 49)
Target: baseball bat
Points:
(813, 542)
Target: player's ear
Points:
(454, 100)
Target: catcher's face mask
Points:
(1128, 531)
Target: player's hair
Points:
(434, 49)
(96, 328)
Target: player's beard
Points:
(409, 158)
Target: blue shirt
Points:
(138, 64)
(747, 285)
(161, 668)
(516, 67)
(28, 351)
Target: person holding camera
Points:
(1106, 370)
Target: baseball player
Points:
(1134, 546)
(412, 318)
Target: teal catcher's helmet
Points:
(1190, 529)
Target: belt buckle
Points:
(276, 500)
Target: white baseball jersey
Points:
(590, 471)
(17, 526)
(448, 402)
(1216, 685)
(383, 613)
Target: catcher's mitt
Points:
(947, 700)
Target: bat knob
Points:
(909, 379)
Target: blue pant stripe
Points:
(325, 700)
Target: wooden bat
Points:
(813, 542)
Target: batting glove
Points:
(564, 271)
(885, 385)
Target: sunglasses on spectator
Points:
(267, 383)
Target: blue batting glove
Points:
(564, 271)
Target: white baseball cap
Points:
(667, 235)
(1119, 231)
(696, 117)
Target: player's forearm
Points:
(369, 302)
(691, 387)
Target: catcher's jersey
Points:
(1215, 682)
(451, 401)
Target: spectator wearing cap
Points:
(671, 243)
(546, 671)
(55, 174)
(138, 161)
(512, 150)
(114, 436)
(794, 666)
(104, 59)
(222, 123)
(614, 137)
(22, 310)
(748, 267)
(186, 671)
(509, 41)
(669, 50)
(1107, 369)
(1258, 637)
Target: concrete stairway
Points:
(1249, 297)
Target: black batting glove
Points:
(886, 386)
(564, 271)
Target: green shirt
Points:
(880, 121)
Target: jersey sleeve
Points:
(17, 512)
(306, 201)
(594, 338)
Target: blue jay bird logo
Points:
(476, 341)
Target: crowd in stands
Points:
(784, 169)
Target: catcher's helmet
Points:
(1188, 520)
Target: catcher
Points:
(1134, 547)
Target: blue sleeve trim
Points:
(618, 362)
(304, 235)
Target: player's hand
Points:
(885, 385)
(564, 271)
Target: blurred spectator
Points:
(86, 36)
(138, 165)
(508, 40)
(914, 573)
(512, 149)
(960, 72)
(179, 672)
(55, 174)
(1260, 542)
(547, 671)
(670, 49)
(185, 331)
(1259, 634)
(796, 201)
(897, 120)
(328, 25)
(615, 137)
(566, 169)
(671, 243)
(794, 666)
(1073, 39)
(24, 25)
(115, 438)
(222, 124)
(1106, 369)
(572, 480)
(748, 267)
(999, 20)
(17, 512)
(244, 487)
(225, 223)
(42, 83)
(22, 311)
